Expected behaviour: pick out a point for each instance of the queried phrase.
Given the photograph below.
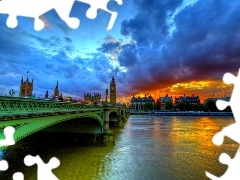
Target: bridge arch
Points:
(26, 127)
(113, 111)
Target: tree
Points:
(168, 105)
(181, 106)
(200, 107)
(228, 109)
(148, 106)
(188, 106)
(211, 106)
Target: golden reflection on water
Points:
(156, 128)
(183, 145)
(196, 130)
(195, 135)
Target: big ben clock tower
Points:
(113, 92)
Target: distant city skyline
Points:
(182, 47)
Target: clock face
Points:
(112, 88)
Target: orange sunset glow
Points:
(203, 89)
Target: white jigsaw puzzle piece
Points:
(36, 8)
(231, 131)
(234, 102)
(9, 140)
(44, 170)
(18, 176)
(101, 4)
(233, 172)
(3, 165)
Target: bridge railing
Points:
(17, 106)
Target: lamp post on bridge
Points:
(106, 94)
(11, 92)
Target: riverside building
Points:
(137, 104)
(190, 99)
(163, 100)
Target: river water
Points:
(146, 148)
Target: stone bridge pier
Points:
(106, 120)
(115, 115)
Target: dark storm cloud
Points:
(204, 43)
(137, 28)
(207, 37)
(150, 25)
(128, 57)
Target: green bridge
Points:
(28, 115)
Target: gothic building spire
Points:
(113, 80)
(56, 91)
(26, 88)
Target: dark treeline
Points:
(209, 106)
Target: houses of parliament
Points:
(96, 97)
(26, 90)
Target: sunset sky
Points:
(155, 47)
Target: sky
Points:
(156, 47)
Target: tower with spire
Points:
(56, 92)
(26, 88)
(46, 95)
(113, 92)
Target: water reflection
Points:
(170, 148)
(147, 147)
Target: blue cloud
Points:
(110, 47)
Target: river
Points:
(146, 148)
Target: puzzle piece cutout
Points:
(234, 102)
(232, 173)
(231, 131)
(44, 170)
(18, 176)
(9, 140)
(36, 8)
(101, 4)
(3, 165)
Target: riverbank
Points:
(177, 113)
